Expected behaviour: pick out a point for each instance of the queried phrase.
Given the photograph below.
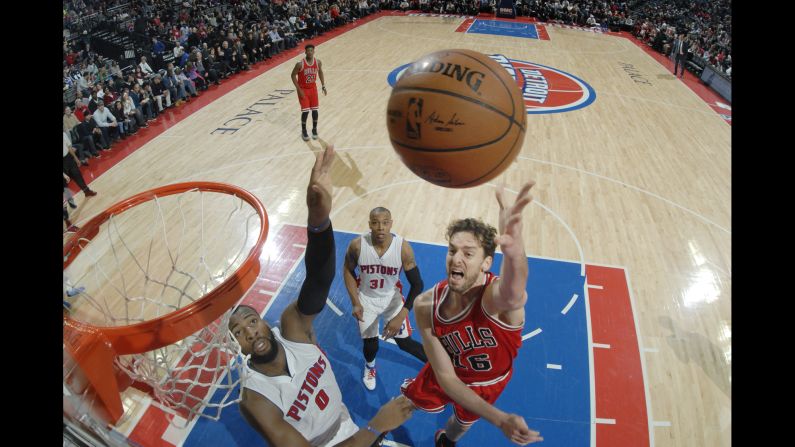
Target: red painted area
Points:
(121, 149)
(150, 428)
(542, 32)
(464, 26)
(283, 257)
(618, 373)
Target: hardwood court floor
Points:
(639, 179)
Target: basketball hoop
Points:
(153, 310)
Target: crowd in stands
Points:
(185, 46)
(707, 25)
(210, 41)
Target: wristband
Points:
(373, 431)
(319, 227)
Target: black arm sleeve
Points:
(415, 280)
(320, 261)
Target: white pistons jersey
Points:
(379, 275)
(311, 399)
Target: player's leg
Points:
(304, 101)
(462, 419)
(403, 337)
(368, 329)
(313, 105)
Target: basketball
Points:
(456, 118)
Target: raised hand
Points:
(318, 193)
(510, 223)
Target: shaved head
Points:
(380, 210)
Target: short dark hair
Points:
(308, 46)
(244, 306)
(484, 232)
(239, 308)
(380, 209)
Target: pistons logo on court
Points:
(544, 89)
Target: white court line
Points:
(565, 225)
(299, 245)
(265, 292)
(601, 345)
(630, 187)
(591, 373)
(642, 359)
(532, 334)
(554, 366)
(571, 303)
(662, 424)
(333, 307)
(605, 421)
(389, 443)
(651, 350)
(594, 286)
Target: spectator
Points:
(158, 47)
(160, 92)
(70, 166)
(125, 124)
(198, 80)
(132, 112)
(145, 68)
(187, 83)
(69, 119)
(142, 102)
(106, 121)
(89, 127)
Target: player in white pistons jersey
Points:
(289, 393)
(377, 294)
(310, 398)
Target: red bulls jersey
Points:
(308, 74)
(481, 347)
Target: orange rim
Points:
(175, 326)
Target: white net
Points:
(153, 259)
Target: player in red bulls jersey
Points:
(471, 326)
(289, 394)
(304, 75)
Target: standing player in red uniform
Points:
(471, 326)
(303, 76)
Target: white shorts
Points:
(376, 310)
(346, 430)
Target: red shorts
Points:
(309, 101)
(427, 395)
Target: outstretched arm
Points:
(509, 296)
(512, 426)
(349, 275)
(320, 258)
(320, 75)
(270, 422)
(415, 280)
(294, 78)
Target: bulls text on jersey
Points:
(457, 347)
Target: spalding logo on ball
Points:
(456, 118)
